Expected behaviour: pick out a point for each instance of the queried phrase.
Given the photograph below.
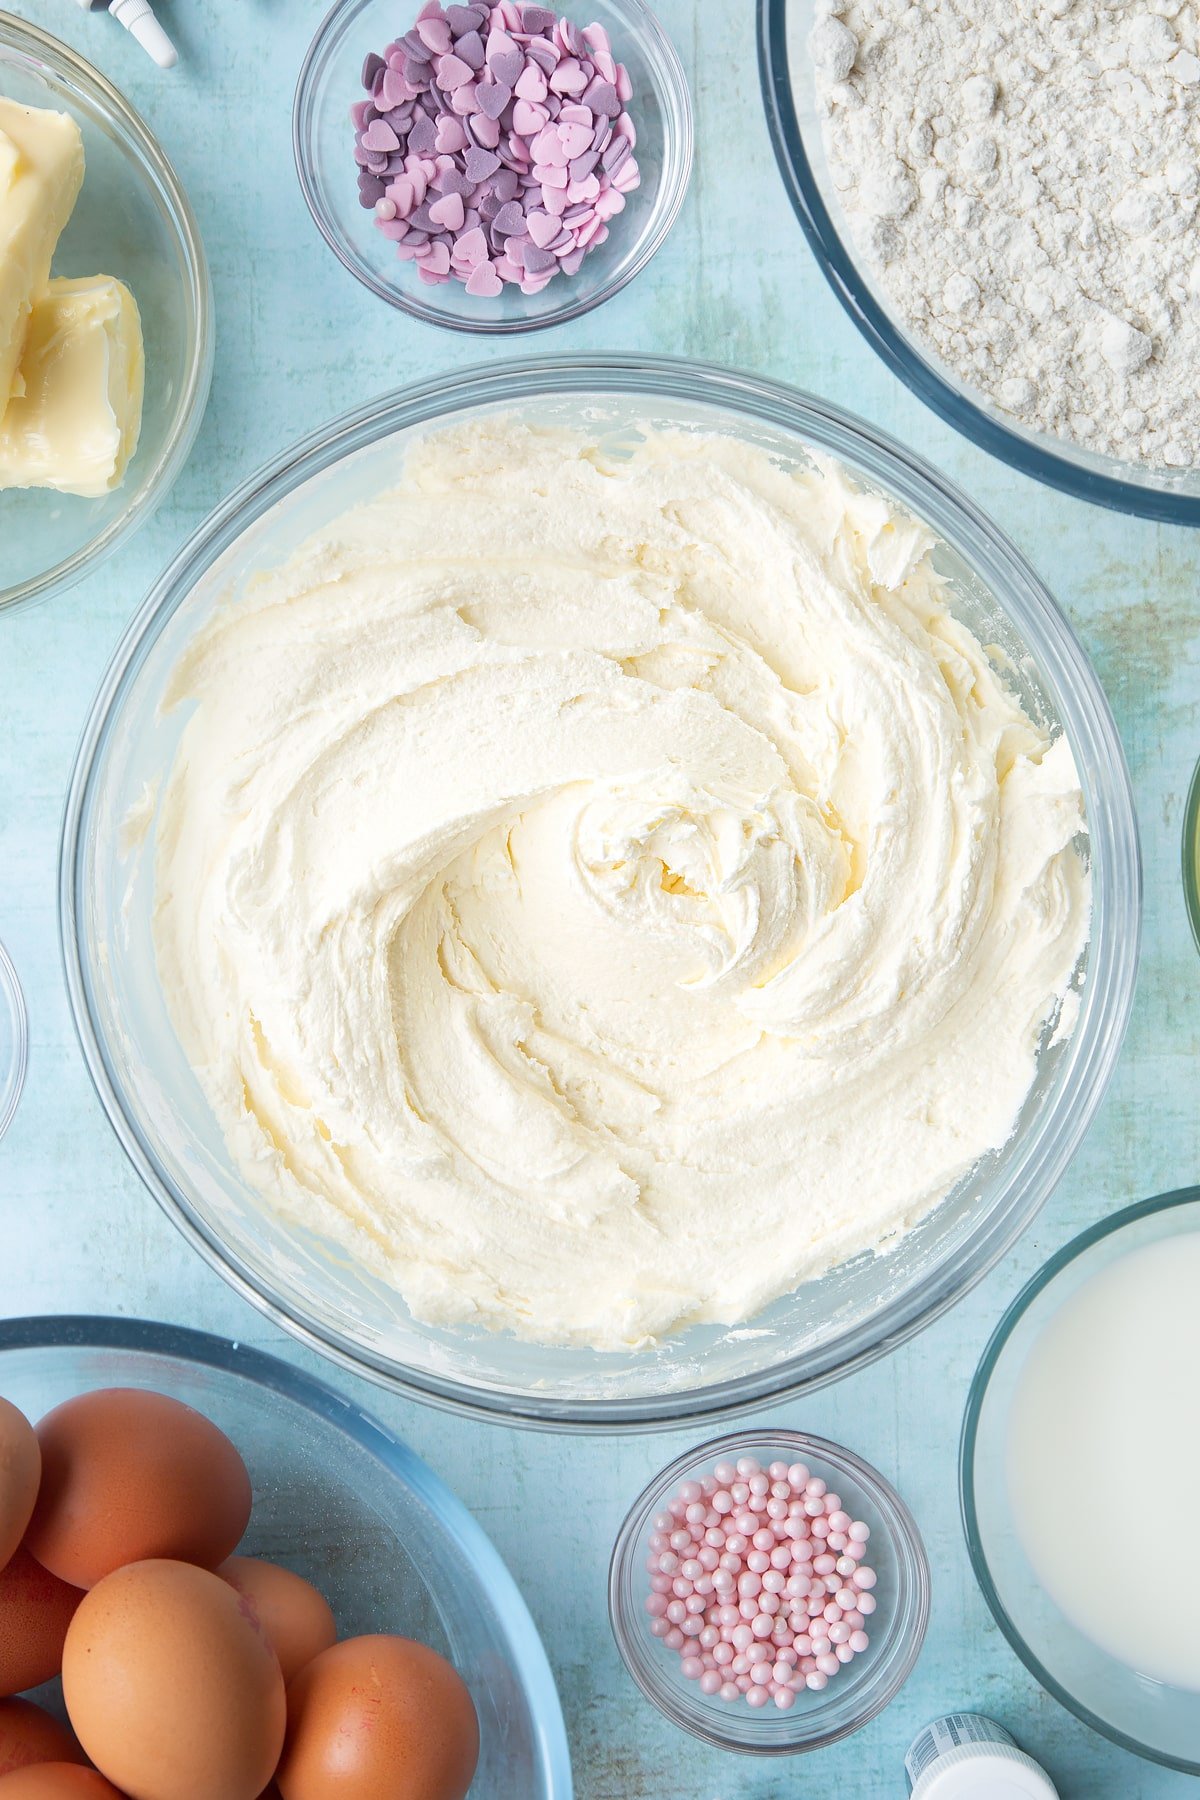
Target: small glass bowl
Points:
(1191, 855)
(331, 80)
(132, 220)
(14, 1041)
(343, 1502)
(1148, 1717)
(864, 1687)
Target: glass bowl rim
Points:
(1191, 852)
(680, 128)
(902, 1525)
(980, 1382)
(68, 65)
(911, 480)
(231, 1356)
(851, 288)
(12, 1079)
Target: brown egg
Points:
(379, 1716)
(296, 1619)
(29, 1735)
(35, 1610)
(172, 1687)
(20, 1472)
(57, 1781)
(129, 1476)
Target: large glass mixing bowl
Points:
(789, 92)
(162, 1118)
(341, 1501)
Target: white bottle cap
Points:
(138, 18)
(965, 1756)
(997, 1772)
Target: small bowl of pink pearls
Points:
(493, 165)
(769, 1593)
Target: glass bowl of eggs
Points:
(350, 1521)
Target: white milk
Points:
(1104, 1459)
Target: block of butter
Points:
(76, 424)
(41, 173)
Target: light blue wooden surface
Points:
(298, 341)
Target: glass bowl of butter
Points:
(105, 317)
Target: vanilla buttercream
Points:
(601, 888)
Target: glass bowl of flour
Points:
(1004, 201)
(600, 891)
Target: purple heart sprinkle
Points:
(576, 42)
(480, 164)
(506, 184)
(582, 166)
(492, 97)
(602, 97)
(488, 207)
(537, 261)
(510, 219)
(470, 48)
(507, 66)
(418, 51)
(370, 189)
(373, 66)
(422, 139)
(615, 155)
(537, 19)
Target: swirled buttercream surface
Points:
(602, 890)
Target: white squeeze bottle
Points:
(963, 1756)
(137, 16)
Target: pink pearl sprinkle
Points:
(756, 1578)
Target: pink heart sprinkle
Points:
(471, 248)
(395, 90)
(453, 72)
(380, 138)
(573, 114)
(532, 85)
(555, 201)
(438, 259)
(449, 211)
(487, 131)
(484, 282)
(464, 99)
(402, 192)
(435, 35)
(569, 77)
(529, 119)
(542, 228)
(451, 135)
(575, 139)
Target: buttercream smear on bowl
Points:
(602, 888)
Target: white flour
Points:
(1022, 175)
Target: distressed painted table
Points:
(77, 1231)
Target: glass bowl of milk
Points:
(1080, 1477)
